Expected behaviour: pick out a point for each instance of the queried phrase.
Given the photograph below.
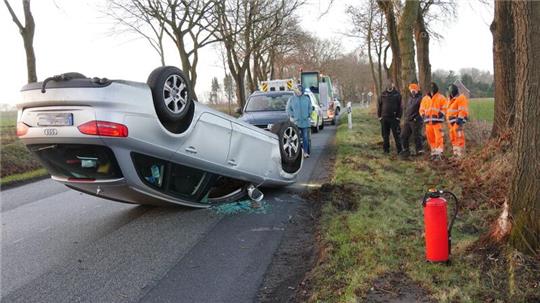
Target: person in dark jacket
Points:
(412, 121)
(389, 111)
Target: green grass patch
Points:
(23, 177)
(16, 159)
(481, 109)
(383, 233)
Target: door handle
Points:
(191, 149)
(232, 162)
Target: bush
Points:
(16, 159)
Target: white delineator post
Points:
(349, 114)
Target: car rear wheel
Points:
(322, 126)
(171, 92)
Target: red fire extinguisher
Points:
(438, 234)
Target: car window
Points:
(79, 161)
(172, 178)
(271, 102)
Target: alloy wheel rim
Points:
(175, 94)
(290, 141)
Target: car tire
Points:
(322, 126)
(171, 92)
(289, 142)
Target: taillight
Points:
(103, 128)
(22, 129)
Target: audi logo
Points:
(50, 132)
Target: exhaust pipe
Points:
(254, 193)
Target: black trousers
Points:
(414, 129)
(390, 125)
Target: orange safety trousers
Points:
(457, 136)
(435, 138)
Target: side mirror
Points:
(238, 110)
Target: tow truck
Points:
(321, 86)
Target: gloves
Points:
(460, 121)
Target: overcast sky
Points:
(73, 35)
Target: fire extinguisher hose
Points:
(453, 218)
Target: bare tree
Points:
(27, 33)
(524, 194)
(387, 7)
(504, 45)
(406, 44)
(131, 16)
(369, 26)
(190, 24)
(243, 27)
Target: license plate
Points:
(55, 119)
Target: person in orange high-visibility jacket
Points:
(457, 114)
(433, 110)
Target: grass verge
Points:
(371, 228)
(23, 177)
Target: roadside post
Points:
(349, 114)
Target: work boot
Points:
(420, 152)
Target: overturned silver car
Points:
(150, 143)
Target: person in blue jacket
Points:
(299, 110)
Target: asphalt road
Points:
(59, 245)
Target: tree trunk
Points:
(406, 44)
(27, 33)
(502, 30)
(524, 193)
(30, 58)
(388, 9)
(421, 36)
(241, 88)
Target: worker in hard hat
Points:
(299, 109)
(433, 110)
(412, 125)
(457, 114)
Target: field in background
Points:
(481, 109)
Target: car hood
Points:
(264, 117)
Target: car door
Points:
(251, 151)
(209, 140)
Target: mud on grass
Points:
(376, 238)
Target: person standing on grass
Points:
(389, 111)
(433, 111)
(412, 122)
(299, 110)
(457, 113)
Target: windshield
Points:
(276, 102)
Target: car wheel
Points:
(322, 126)
(171, 92)
(315, 129)
(289, 143)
